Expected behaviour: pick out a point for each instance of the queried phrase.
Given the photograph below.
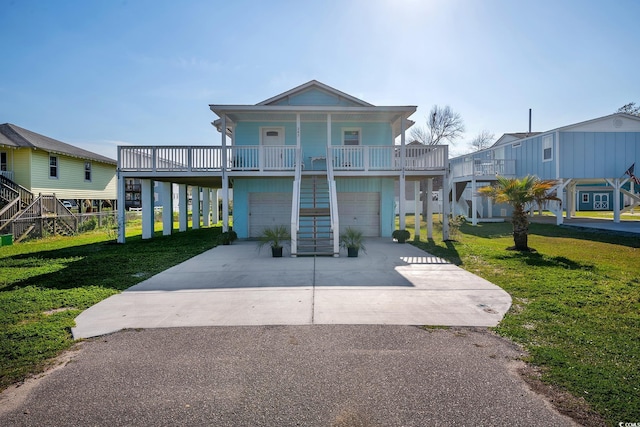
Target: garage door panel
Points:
(268, 210)
(361, 211)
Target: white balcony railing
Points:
(484, 168)
(276, 158)
(7, 174)
(368, 158)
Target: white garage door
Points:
(267, 210)
(361, 211)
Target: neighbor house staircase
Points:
(24, 215)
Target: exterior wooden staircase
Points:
(315, 236)
(23, 215)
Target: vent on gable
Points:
(617, 122)
(515, 145)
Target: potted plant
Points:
(352, 240)
(276, 237)
(227, 237)
(401, 235)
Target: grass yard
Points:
(576, 305)
(45, 284)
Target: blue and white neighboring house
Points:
(588, 159)
(314, 159)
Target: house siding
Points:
(598, 154)
(315, 97)
(70, 183)
(22, 167)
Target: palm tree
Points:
(517, 193)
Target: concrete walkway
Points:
(236, 286)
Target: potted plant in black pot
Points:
(352, 241)
(276, 237)
(401, 235)
(225, 238)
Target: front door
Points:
(272, 139)
(601, 201)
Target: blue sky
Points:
(98, 73)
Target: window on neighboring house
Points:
(585, 197)
(53, 166)
(3, 161)
(351, 136)
(547, 148)
(87, 171)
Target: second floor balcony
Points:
(483, 169)
(280, 158)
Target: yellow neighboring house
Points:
(32, 165)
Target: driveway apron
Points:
(236, 285)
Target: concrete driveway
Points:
(392, 284)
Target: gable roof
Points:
(17, 137)
(311, 85)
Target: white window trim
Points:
(280, 129)
(343, 130)
(547, 143)
(57, 176)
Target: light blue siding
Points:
(241, 189)
(316, 97)
(598, 154)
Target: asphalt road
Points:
(322, 375)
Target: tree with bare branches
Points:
(443, 125)
(630, 108)
(483, 140)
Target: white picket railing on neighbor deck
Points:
(481, 167)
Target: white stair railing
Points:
(295, 203)
(333, 204)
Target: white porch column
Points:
(616, 198)
(402, 195)
(416, 208)
(146, 186)
(489, 207)
(183, 207)
(167, 207)
(206, 207)
(453, 199)
(474, 206)
(429, 196)
(195, 208)
(216, 206)
(445, 203)
(121, 206)
(225, 180)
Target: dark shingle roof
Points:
(15, 136)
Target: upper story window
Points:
(53, 166)
(351, 137)
(87, 171)
(3, 161)
(547, 148)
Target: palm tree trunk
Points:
(520, 228)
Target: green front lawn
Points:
(45, 284)
(576, 305)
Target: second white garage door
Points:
(267, 210)
(361, 211)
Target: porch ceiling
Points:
(237, 113)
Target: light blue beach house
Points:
(313, 158)
(592, 161)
